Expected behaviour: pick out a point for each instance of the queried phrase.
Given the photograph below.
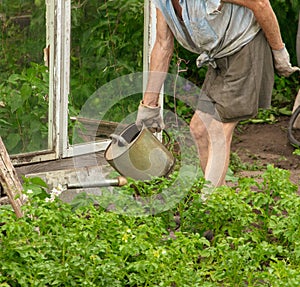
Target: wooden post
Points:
(9, 180)
(298, 42)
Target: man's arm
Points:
(160, 59)
(266, 18)
(149, 111)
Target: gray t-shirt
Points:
(207, 31)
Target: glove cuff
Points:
(149, 107)
(280, 50)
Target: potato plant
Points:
(242, 236)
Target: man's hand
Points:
(282, 63)
(149, 117)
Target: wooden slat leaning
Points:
(10, 181)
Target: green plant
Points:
(284, 92)
(296, 151)
(24, 110)
(23, 35)
(107, 42)
(254, 231)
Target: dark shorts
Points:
(241, 84)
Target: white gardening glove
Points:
(282, 63)
(150, 117)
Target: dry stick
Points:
(174, 90)
(9, 180)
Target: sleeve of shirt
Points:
(212, 6)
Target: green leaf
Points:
(14, 78)
(38, 181)
(296, 151)
(5, 122)
(285, 111)
(25, 91)
(12, 141)
(16, 103)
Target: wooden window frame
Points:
(58, 41)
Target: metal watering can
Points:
(139, 154)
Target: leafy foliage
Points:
(254, 231)
(23, 113)
(24, 86)
(23, 35)
(107, 42)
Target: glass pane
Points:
(24, 77)
(107, 43)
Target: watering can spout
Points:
(119, 181)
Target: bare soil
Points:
(263, 144)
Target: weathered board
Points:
(90, 168)
(9, 180)
(61, 164)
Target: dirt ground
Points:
(263, 144)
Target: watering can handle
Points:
(120, 140)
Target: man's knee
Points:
(198, 127)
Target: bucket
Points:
(139, 154)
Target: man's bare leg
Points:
(213, 140)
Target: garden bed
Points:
(244, 238)
(261, 144)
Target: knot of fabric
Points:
(212, 7)
(204, 60)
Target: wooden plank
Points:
(90, 129)
(79, 177)
(298, 42)
(61, 164)
(32, 157)
(73, 176)
(9, 180)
